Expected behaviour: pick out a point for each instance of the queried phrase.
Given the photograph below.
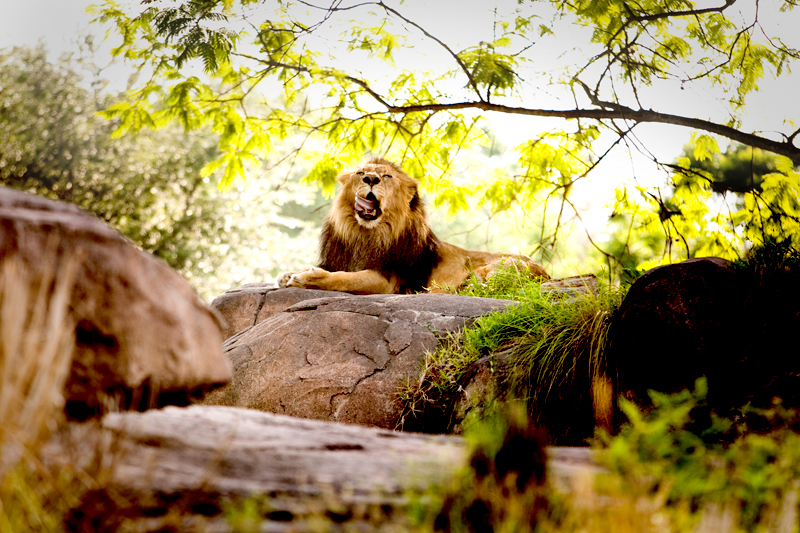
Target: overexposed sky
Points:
(58, 22)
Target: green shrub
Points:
(706, 467)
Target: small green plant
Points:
(703, 467)
(769, 257)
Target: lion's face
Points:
(378, 193)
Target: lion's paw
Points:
(285, 279)
(305, 279)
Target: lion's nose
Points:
(372, 180)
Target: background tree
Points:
(735, 179)
(148, 186)
(739, 170)
(366, 77)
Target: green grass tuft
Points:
(548, 351)
(559, 365)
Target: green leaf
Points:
(704, 147)
(324, 173)
(234, 168)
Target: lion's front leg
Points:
(361, 282)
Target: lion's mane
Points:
(402, 244)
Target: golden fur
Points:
(376, 239)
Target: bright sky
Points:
(56, 21)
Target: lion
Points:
(376, 240)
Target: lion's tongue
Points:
(362, 204)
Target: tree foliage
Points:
(370, 77)
(739, 170)
(149, 186)
(756, 202)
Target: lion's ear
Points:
(344, 177)
(415, 200)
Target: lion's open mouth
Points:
(368, 208)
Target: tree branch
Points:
(457, 59)
(687, 13)
(633, 17)
(608, 110)
(616, 111)
(427, 34)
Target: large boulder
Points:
(343, 357)
(142, 337)
(704, 317)
(677, 323)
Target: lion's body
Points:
(376, 239)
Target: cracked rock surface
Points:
(337, 357)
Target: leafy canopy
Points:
(369, 77)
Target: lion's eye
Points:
(387, 176)
(360, 173)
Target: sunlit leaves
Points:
(276, 40)
(489, 69)
(557, 156)
(133, 116)
(717, 204)
(679, 39)
(704, 146)
(775, 211)
(184, 26)
(181, 102)
(343, 83)
(324, 173)
(376, 41)
(504, 191)
(454, 197)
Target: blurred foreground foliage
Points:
(675, 468)
(696, 470)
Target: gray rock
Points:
(265, 452)
(341, 358)
(201, 459)
(142, 337)
(254, 302)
